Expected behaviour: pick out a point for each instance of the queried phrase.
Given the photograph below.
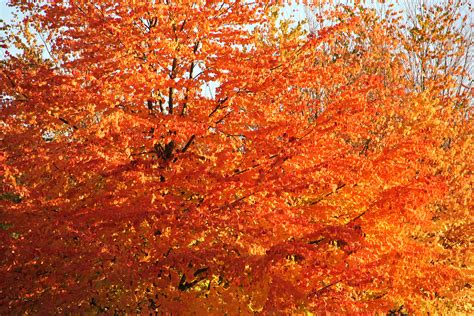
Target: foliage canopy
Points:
(210, 157)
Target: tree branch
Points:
(188, 143)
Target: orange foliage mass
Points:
(207, 157)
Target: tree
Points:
(128, 186)
(438, 38)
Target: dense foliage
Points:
(211, 157)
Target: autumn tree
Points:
(438, 41)
(444, 47)
(210, 157)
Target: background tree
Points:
(443, 53)
(438, 40)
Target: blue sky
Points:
(5, 11)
